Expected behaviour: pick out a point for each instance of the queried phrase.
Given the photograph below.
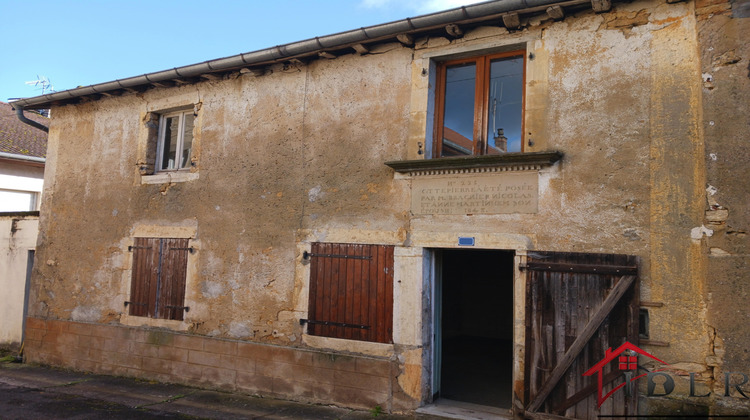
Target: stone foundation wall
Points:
(231, 365)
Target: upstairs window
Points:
(480, 105)
(175, 142)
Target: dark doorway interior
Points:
(477, 326)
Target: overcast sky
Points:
(84, 42)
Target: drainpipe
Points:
(19, 114)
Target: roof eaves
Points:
(13, 156)
(479, 11)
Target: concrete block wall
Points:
(231, 365)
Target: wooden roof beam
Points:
(163, 84)
(512, 21)
(600, 6)
(405, 39)
(454, 31)
(253, 72)
(361, 49)
(209, 76)
(556, 12)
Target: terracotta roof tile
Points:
(21, 139)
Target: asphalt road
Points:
(36, 392)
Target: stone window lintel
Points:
(521, 161)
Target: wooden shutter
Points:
(171, 298)
(351, 292)
(577, 306)
(157, 287)
(143, 285)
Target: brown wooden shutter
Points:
(569, 297)
(144, 281)
(351, 292)
(157, 287)
(171, 298)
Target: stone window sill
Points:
(476, 164)
(169, 177)
(139, 321)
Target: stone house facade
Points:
(353, 219)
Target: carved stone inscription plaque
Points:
(501, 193)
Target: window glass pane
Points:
(187, 139)
(458, 120)
(170, 142)
(505, 105)
(17, 200)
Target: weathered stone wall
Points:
(278, 153)
(723, 33)
(296, 156)
(618, 93)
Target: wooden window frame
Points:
(481, 99)
(351, 292)
(159, 278)
(161, 141)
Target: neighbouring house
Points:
(18, 235)
(474, 205)
(22, 152)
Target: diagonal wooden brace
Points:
(588, 331)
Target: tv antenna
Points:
(42, 82)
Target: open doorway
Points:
(474, 326)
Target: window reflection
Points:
(170, 144)
(505, 105)
(482, 105)
(187, 140)
(458, 131)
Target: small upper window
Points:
(175, 140)
(480, 105)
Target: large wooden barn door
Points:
(577, 306)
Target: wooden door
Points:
(577, 306)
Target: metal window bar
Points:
(190, 249)
(334, 324)
(307, 255)
(132, 247)
(184, 308)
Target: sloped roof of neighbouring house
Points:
(452, 23)
(17, 138)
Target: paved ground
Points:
(31, 392)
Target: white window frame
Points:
(180, 138)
